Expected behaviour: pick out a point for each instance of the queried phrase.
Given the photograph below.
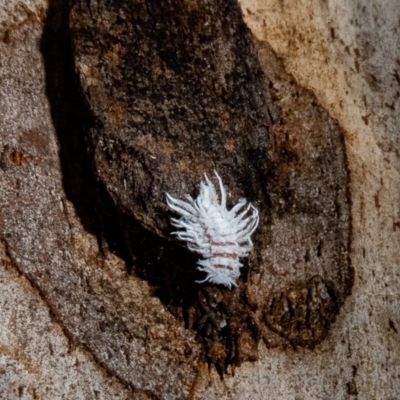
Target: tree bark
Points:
(108, 105)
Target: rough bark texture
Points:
(175, 90)
(84, 314)
(91, 295)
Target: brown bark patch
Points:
(177, 89)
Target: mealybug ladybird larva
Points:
(220, 236)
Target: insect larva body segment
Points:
(220, 236)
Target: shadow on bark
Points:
(155, 259)
(72, 120)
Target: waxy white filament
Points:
(220, 236)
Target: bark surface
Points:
(176, 90)
(97, 300)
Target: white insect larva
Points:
(222, 237)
